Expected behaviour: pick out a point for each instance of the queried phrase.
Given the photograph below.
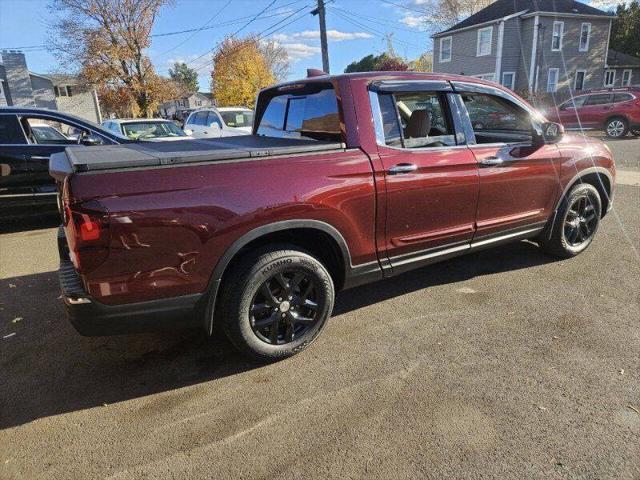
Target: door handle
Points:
(402, 168)
(491, 162)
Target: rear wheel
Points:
(275, 302)
(616, 127)
(575, 224)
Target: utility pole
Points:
(323, 35)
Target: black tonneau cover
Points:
(149, 154)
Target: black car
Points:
(28, 137)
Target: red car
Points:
(345, 180)
(614, 110)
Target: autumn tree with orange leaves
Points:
(106, 41)
(240, 70)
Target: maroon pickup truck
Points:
(345, 180)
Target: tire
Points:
(616, 127)
(275, 302)
(575, 224)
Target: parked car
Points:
(28, 136)
(338, 187)
(207, 123)
(614, 110)
(240, 118)
(151, 129)
(180, 116)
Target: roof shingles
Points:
(504, 8)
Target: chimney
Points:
(18, 79)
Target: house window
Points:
(508, 79)
(579, 81)
(626, 78)
(56, 91)
(556, 37)
(552, 80)
(585, 35)
(609, 78)
(485, 36)
(445, 49)
(69, 92)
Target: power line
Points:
(374, 31)
(404, 6)
(234, 33)
(379, 21)
(215, 15)
(260, 36)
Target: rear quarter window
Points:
(622, 97)
(10, 131)
(310, 112)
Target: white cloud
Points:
(333, 35)
(299, 51)
(413, 21)
(604, 4)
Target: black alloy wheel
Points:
(285, 307)
(581, 221)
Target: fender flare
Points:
(229, 254)
(572, 182)
(578, 176)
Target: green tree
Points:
(625, 31)
(184, 76)
(382, 62)
(365, 64)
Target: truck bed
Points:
(150, 154)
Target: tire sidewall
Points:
(624, 122)
(576, 192)
(266, 267)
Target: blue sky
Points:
(356, 28)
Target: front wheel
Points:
(576, 222)
(616, 127)
(275, 302)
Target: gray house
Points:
(193, 101)
(540, 48)
(21, 88)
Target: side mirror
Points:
(90, 140)
(214, 125)
(547, 133)
(188, 131)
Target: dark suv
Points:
(616, 111)
(28, 137)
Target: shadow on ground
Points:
(35, 222)
(48, 369)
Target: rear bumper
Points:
(93, 318)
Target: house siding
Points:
(570, 59)
(517, 45)
(463, 53)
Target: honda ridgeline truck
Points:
(345, 180)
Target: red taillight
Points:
(87, 233)
(89, 230)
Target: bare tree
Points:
(277, 59)
(444, 14)
(105, 40)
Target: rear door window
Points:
(10, 131)
(309, 112)
(576, 102)
(622, 97)
(598, 99)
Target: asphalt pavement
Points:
(501, 364)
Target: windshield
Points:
(139, 130)
(237, 118)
